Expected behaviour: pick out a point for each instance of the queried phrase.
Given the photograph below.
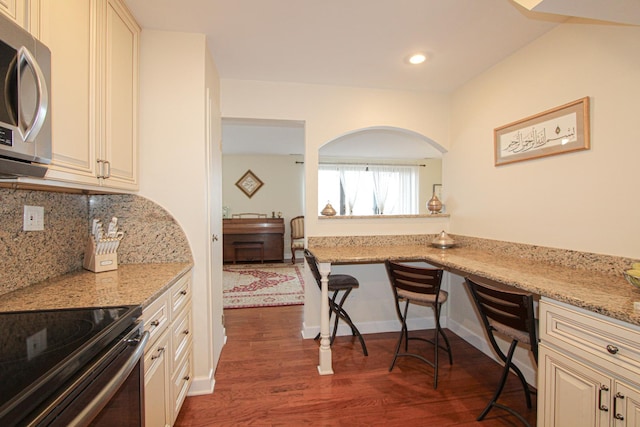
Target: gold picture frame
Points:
(249, 183)
(560, 130)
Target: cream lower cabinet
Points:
(168, 362)
(589, 369)
(156, 377)
(94, 92)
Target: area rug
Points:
(262, 285)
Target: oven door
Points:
(109, 392)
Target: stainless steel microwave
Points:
(25, 105)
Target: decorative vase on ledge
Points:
(328, 210)
(434, 205)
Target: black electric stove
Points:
(40, 351)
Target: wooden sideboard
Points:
(253, 239)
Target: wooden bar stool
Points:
(337, 283)
(508, 313)
(421, 286)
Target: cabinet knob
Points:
(183, 292)
(155, 323)
(612, 349)
(186, 332)
(186, 378)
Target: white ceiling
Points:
(363, 43)
(351, 42)
(252, 136)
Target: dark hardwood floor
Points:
(267, 376)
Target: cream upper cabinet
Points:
(589, 369)
(14, 10)
(94, 91)
(120, 108)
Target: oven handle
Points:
(112, 386)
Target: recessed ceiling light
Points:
(417, 58)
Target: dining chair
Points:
(418, 285)
(337, 283)
(508, 313)
(297, 236)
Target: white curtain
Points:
(408, 190)
(383, 177)
(395, 189)
(350, 176)
(368, 190)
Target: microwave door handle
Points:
(30, 131)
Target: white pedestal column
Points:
(324, 367)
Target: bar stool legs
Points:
(336, 284)
(509, 313)
(404, 334)
(508, 365)
(336, 307)
(419, 285)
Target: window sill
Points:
(442, 215)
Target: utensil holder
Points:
(99, 262)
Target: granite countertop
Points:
(607, 294)
(130, 284)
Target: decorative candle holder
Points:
(434, 205)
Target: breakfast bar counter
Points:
(591, 281)
(130, 284)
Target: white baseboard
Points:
(478, 341)
(481, 343)
(310, 332)
(202, 385)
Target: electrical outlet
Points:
(33, 219)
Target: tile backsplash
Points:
(151, 234)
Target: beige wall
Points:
(283, 189)
(586, 201)
(583, 200)
(174, 74)
(429, 175)
(329, 112)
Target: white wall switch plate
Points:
(33, 218)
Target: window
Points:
(369, 190)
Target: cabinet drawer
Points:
(180, 384)
(181, 333)
(156, 318)
(155, 355)
(180, 295)
(596, 338)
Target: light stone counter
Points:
(130, 284)
(604, 292)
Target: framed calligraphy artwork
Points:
(249, 183)
(560, 130)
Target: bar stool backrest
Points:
(313, 265)
(506, 311)
(414, 279)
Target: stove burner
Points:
(40, 350)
